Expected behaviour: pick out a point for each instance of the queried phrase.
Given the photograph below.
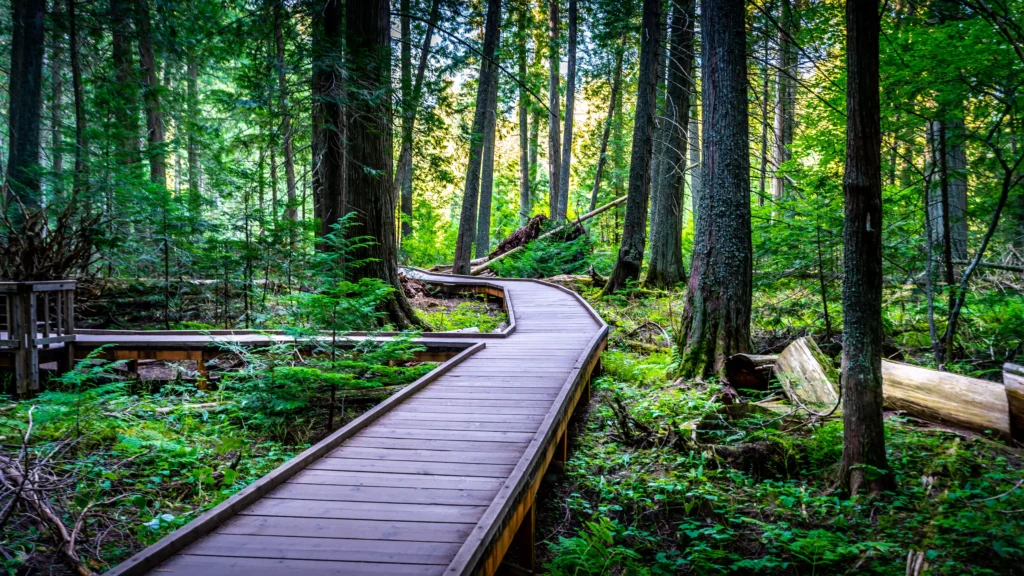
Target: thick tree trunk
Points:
(785, 95)
(329, 123)
(570, 103)
(666, 265)
(471, 193)
(126, 123)
(602, 155)
(695, 143)
(716, 318)
(555, 114)
(290, 213)
(155, 130)
(631, 248)
(524, 128)
(483, 222)
(80, 178)
(658, 172)
(369, 177)
(864, 462)
(195, 195)
(25, 107)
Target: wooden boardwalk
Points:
(438, 479)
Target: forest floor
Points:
(666, 477)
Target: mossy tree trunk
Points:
(716, 318)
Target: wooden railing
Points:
(38, 319)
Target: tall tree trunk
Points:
(25, 107)
(80, 178)
(369, 176)
(554, 113)
(329, 122)
(471, 193)
(195, 195)
(666, 265)
(602, 157)
(155, 131)
(524, 105)
(658, 172)
(570, 101)
(56, 107)
(483, 222)
(290, 213)
(716, 318)
(125, 113)
(403, 174)
(950, 168)
(695, 143)
(785, 95)
(864, 462)
(631, 248)
(762, 173)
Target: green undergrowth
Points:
(471, 313)
(665, 479)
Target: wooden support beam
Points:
(524, 543)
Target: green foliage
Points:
(473, 314)
(546, 258)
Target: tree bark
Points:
(554, 116)
(80, 179)
(631, 247)
(666, 265)
(329, 122)
(290, 212)
(125, 115)
(785, 96)
(471, 193)
(483, 223)
(951, 169)
(864, 461)
(602, 156)
(56, 108)
(369, 176)
(565, 160)
(658, 172)
(695, 143)
(524, 105)
(156, 134)
(716, 317)
(25, 107)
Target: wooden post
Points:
(201, 380)
(32, 326)
(525, 545)
(1013, 380)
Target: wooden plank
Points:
(403, 414)
(424, 455)
(355, 529)
(330, 549)
(428, 434)
(191, 565)
(482, 403)
(469, 394)
(445, 513)
(530, 427)
(409, 467)
(396, 480)
(459, 445)
(410, 408)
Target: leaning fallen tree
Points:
(477, 270)
(810, 380)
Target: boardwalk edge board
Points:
(176, 541)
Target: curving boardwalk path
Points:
(438, 479)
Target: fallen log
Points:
(476, 270)
(807, 376)
(809, 379)
(750, 371)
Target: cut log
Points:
(807, 375)
(750, 371)
(1013, 381)
(809, 378)
(478, 269)
(946, 398)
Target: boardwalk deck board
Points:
(435, 480)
